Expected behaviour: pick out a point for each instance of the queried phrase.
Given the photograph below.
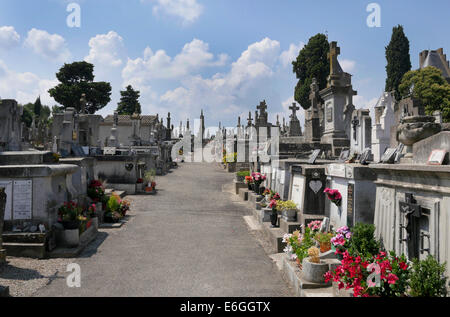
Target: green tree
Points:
(27, 115)
(398, 60)
(311, 62)
(129, 102)
(78, 78)
(37, 107)
(429, 86)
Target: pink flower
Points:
(392, 278)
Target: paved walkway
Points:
(188, 240)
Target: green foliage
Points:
(129, 102)
(363, 242)
(149, 176)
(428, 278)
(37, 107)
(311, 62)
(286, 205)
(27, 115)
(429, 86)
(307, 242)
(113, 203)
(243, 173)
(398, 60)
(323, 237)
(78, 78)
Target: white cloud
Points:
(187, 10)
(193, 57)
(287, 57)
(347, 65)
(50, 46)
(24, 87)
(106, 50)
(8, 37)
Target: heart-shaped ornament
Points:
(315, 186)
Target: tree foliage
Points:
(78, 78)
(129, 102)
(398, 60)
(311, 62)
(429, 86)
(428, 278)
(37, 107)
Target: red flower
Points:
(392, 278)
(403, 266)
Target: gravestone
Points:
(361, 130)
(338, 105)
(314, 156)
(389, 156)
(344, 156)
(384, 122)
(365, 156)
(10, 125)
(294, 125)
(312, 118)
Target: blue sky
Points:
(220, 55)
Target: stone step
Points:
(25, 250)
(275, 236)
(289, 227)
(24, 237)
(321, 292)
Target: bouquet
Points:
(334, 195)
(315, 225)
(341, 241)
(70, 211)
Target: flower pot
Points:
(289, 215)
(148, 189)
(71, 238)
(256, 188)
(71, 225)
(314, 272)
(325, 247)
(249, 186)
(274, 218)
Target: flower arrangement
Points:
(91, 212)
(96, 190)
(273, 204)
(258, 178)
(248, 180)
(116, 208)
(334, 195)
(275, 196)
(140, 181)
(324, 240)
(297, 245)
(70, 211)
(341, 241)
(383, 275)
(315, 225)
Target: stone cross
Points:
(83, 103)
(294, 109)
(332, 55)
(249, 120)
(262, 107)
(116, 118)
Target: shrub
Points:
(243, 173)
(428, 278)
(286, 205)
(363, 242)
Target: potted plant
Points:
(314, 269)
(240, 176)
(288, 210)
(113, 213)
(315, 226)
(69, 214)
(341, 241)
(258, 178)
(149, 179)
(324, 240)
(298, 245)
(96, 191)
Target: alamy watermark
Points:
(74, 18)
(374, 18)
(74, 278)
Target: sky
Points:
(222, 56)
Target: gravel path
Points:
(188, 240)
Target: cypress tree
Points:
(398, 60)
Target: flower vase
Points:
(274, 218)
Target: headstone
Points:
(325, 226)
(10, 125)
(294, 125)
(344, 156)
(338, 105)
(384, 123)
(312, 117)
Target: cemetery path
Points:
(188, 240)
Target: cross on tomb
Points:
(332, 55)
(249, 120)
(412, 212)
(294, 109)
(262, 107)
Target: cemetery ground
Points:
(188, 240)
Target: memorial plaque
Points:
(437, 157)
(389, 156)
(314, 156)
(350, 204)
(7, 185)
(22, 200)
(296, 169)
(365, 156)
(329, 112)
(344, 156)
(109, 151)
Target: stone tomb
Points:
(307, 185)
(356, 184)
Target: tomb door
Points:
(418, 236)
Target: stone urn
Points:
(414, 129)
(314, 272)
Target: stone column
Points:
(2, 216)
